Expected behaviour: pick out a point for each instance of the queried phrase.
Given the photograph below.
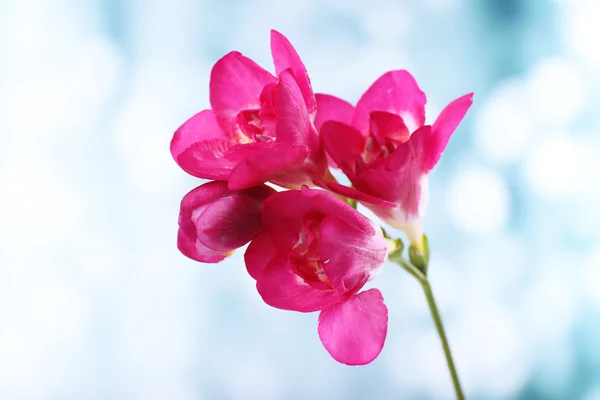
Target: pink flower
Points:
(315, 253)
(214, 221)
(385, 148)
(260, 127)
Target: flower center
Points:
(387, 131)
(258, 124)
(305, 255)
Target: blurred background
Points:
(96, 302)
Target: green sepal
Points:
(351, 202)
(418, 258)
(398, 248)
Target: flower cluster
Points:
(309, 250)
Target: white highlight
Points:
(503, 127)
(549, 307)
(556, 91)
(590, 278)
(494, 357)
(478, 201)
(40, 206)
(561, 166)
(581, 29)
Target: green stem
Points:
(437, 320)
(411, 269)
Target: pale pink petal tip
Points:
(354, 331)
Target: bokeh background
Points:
(97, 303)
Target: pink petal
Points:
(236, 83)
(283, 217)
(284, 161)
(387, 182)
(268, 109)
(187, 237)
(294, 126)
(281, 288)
(343, 143)
(443, 128)
(380, 183)
(399, 178)
(393, 178)
(201, 126)
(354, 331)
(232, 221)
(331, 108)
(198, 147)
(407, 159)
(283, 213)
(396, 92)
(278, 161)
(197, 251)
(352, 256)
(246, 120)
(260, 253)
(385, 125)
(203, 194)
(356, 194)
(240, 152)
(327, 203)
(284, 57)
(293, 122)
(224, 220)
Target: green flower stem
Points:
(437, 319)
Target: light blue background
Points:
(97, 303)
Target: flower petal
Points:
(352, 256)
(356, 194)
(354, 331)
(284, 57)
(331, 108)
(203, 194)
(278, 163)
(443, 128)
(407, 160)
(385, 125)
(260, 253)
(343, 143)
(233, 220)
(283, 161)
(281, 288)
(396, 92)
(293, 122)
(197, 251)
(192, 205)
(399, 179)
(236, 83)
(198, 147)
(283, 213)
(328, 203)
(214, 221)
(200, 127)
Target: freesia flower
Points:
(315, 253)
(260, 127)
(385, 148)
(214, 220)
